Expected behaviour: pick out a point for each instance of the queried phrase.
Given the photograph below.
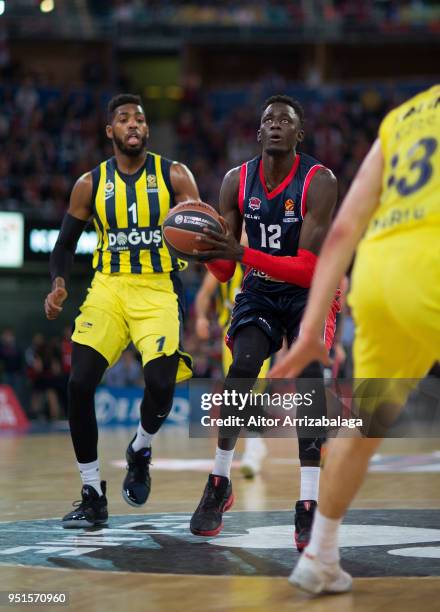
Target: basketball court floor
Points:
(146, 559)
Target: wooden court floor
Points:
(38, 480)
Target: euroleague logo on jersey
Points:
(254, 203)
(289, 212)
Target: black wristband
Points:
(61, 258)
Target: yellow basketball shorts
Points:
(395, 301)
(142, 308)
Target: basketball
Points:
(184, 223)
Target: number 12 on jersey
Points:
(271, 237)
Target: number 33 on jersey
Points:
(409, 137)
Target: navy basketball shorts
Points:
(278, 315)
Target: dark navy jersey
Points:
(273, 220)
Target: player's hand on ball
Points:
(221, 246)
(224, 224)
(306, 349)
(53, 304)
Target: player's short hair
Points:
(280, 98)
(119, 100)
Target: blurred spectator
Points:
(11, 361)
(45, 374)
(34, 371)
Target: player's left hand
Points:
(306, 349)
(223, 246)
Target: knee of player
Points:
(80, 385)
(160, 384)
(244, 367)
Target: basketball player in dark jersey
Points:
(134, 290)
(286, 201)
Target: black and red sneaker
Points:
(216, 499)
(304, 513)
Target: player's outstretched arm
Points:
(335, 257)
(61, 259)
(183, 183)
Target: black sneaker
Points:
(137, 483)
(216, 499)
(91, 510)
(304, 513)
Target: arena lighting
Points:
(47, 6)
(2, 6)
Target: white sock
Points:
(90, 475)
(223, 462)
(143, 439)
(309, 482)
(324, 539)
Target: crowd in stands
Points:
(47, 138)
(38, 373)
(299, 13)
(376, 14)
(217, 130)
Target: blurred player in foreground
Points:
(395, 301)
(135, 295)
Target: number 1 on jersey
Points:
(133, 210)
(160, 342)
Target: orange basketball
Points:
(184, 223)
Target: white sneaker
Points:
(254, 453)
(316, 577)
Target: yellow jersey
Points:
(128, 212)
(410, 141)
(226, 294)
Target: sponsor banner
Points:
(120, 406)
(12, 416)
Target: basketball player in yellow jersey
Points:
(255, 449)
(395, 300)
(135, 295)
